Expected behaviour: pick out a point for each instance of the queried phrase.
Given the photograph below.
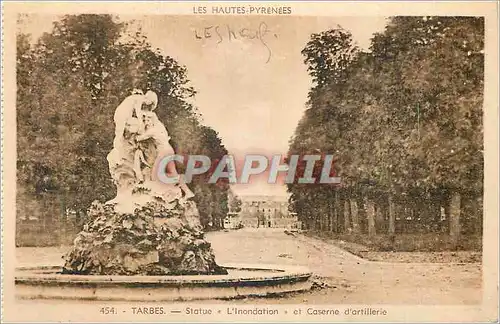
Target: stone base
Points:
(241, 281)
(156, 239)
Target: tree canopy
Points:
(70, 81)
(403, 118)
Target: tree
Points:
(403, 120)
(69, 84)
(234, 202)
(328, 54)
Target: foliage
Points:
(234, 202)
(69, 84)
(403, 119)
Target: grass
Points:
(44, 238)
(428, 242)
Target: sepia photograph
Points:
(246, 162)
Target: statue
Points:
(149, 228)
(155, 130)
(140, 139)
(132, 105)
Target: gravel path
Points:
(344, 277)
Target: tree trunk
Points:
(392, 217)
(331, 211)
(326, 217)
(447, 211)
(455, 219)
(309, 223)
(380, 212)
(478, 207)
(370, 215)
(321, 217)
(340, 215)
(470, 219)
(435, 215)
(362, 218)
(221, 222)
(354, 216)
(347, 215)
(317, 221)
(336, 213)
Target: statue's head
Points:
(151, 100)
(136, 91)
(149, 119)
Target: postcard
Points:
(250, 162)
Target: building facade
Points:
(263, 212)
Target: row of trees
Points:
(404, 121)
(69, 82)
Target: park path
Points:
(349, 279)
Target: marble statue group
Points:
(140, 140)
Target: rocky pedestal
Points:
(148, 228)
(155, 237)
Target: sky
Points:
(252, 90)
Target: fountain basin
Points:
(242, 280)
